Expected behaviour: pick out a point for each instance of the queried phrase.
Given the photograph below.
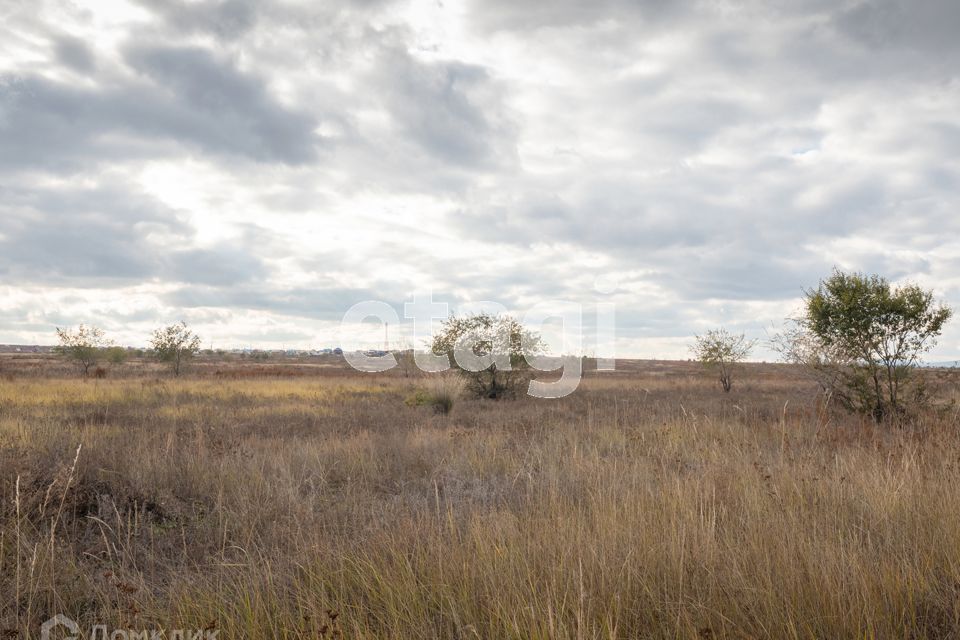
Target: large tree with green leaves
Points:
(489, 351)
(864, 338)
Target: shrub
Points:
(499, 342)
(84, 346)
(718, 349)
(116, 355)
(175, 345)
(861, 339)
(418, 398)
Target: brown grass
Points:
(648, 504)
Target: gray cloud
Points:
(75, 54)
(226, 19)
(449, 109)
(221, 266)
(108, 237)
(930, 26)
(184, 96)
(207, 100)
(507, 15)
(87, 236)
(325, 302)
(231, 20)
(705, 235)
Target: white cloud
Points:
(257, 167)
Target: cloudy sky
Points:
(255, 168)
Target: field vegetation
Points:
(299, 500)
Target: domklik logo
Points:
(71, 630)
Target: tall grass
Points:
(639, 507)
(444, 391)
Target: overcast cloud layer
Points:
(257, 167)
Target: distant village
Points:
(247, 352)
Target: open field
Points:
(295, 500)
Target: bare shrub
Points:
(721, 350)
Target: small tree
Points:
(83, 345)
(721, 350)
(483, 337)
(862, 339)
(175, 345)
(116, 355)
(407, 360)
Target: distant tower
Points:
(386, 336)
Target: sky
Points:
(256, 168)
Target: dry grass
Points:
(648, 504)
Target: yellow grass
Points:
(643, 506)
